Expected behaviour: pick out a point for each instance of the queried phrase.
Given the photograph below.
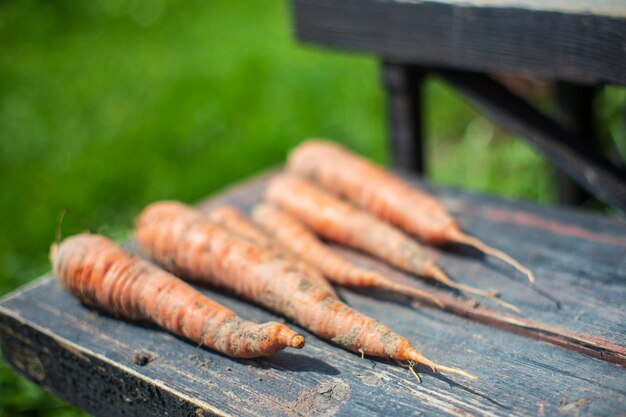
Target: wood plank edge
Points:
(332, 24)
(15, 331)
(41, 280)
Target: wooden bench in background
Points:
(578, 46)
(111, 367)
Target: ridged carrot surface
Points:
(185, 241)
(103, 275)
(293, 234)
(385, 195)
(341, 222)
(237, 222)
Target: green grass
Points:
(108, 105)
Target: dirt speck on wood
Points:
(371, 380)
(323, 400)
(574, 406)
(199, 361)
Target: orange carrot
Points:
(385, 195)
(341, 222)
(188, 243)
(231, 218)
(234, 220)
(102, 275)
(294, 235)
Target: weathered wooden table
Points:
(111, 367)
(576, 45)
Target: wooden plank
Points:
(88, 359)
(111, 367)
(597, 7)
(570, 43)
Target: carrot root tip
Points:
(480, 245)
(447, 369)
(510, 306)
(417, 357)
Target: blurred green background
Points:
(108, 105)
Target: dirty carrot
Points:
(296, 236)
(385, 195)
(186, 242)
(341, 222)
(101, 274)
(234, 220)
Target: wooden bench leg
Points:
(592, 170)
(575, 112)
(403, 85)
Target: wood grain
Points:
(597, 7)
(557, 41)
(111, 367)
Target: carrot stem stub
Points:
(385, 195)
(103, 275)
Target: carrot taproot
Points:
(385, 195)
(101, 274)
(189, 244)
(234, 220)
(297, 237)
(346, 224)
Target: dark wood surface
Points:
(581, 42)
(111, 367)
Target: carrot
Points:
(341, 222)
(231, 218)
(102, 275)
(293, 234)
(234, 220)
(385, 195)
(186, 242)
